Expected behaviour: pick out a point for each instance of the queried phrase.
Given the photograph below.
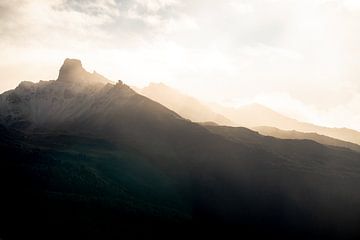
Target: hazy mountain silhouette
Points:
(255, 115)
(252, 115)
(80, 154)
(186, 106)
(275, 132)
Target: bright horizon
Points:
(296, 57)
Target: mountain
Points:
(275, 132)
(186, 106)
(252, 115)
(84, 157)
(255, 115)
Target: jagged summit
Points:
(73, 71)
(75, 94)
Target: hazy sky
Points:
(301, 57)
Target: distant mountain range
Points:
(83, 155)
(255, 115)
(251, 116)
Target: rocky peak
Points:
(72, 71)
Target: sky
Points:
(299, 57)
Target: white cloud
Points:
(156, 5)
(352, 5)
(241, 7)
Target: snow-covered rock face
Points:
(74, 94)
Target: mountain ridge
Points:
(283, 134)
(186, 106)
(250, 116)
(263, 116)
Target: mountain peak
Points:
(71, 71)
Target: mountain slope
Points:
(186, 106)
(60, 185)
(304, 150)
(252, 115)
(255, 115)
(275, 132)
(97, 158)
